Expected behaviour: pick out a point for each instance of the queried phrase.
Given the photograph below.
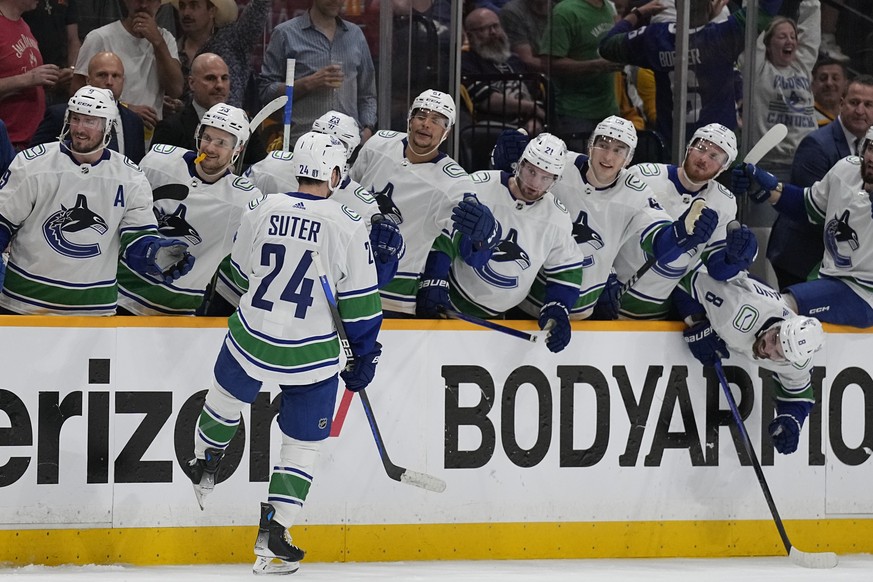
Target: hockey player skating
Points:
(611, 208)
(746, 317)
(275, 174)
(425, 188)
(841, 202)
(70, 210)
(197, 198)
(712, 149)
(283, 333)
(537, 234)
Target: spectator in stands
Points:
(334, 69)
(96, 13)
(796, 247)
(525, 23)
(209, 83)
(211, 26)
(7, 152)
(509, 101)
(148, 53)
(717, 45)
(583, 82)
(829, 83)
(635, 86)
(55, 26)
(23, 76)
(105, 71)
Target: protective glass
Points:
(710, 150)
(86, 121)
(216, 142)
(435, 118)
(534, 177)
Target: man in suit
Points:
(796, 248)
(105, 71)
(209, 83)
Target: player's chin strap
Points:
(107, 137)
(429, 152)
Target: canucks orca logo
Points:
(838, 231)
(582, 233)
(70, 220)
(385, 200)
(507, 250)
(175, 226)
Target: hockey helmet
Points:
(800, 337)
(721, 136)
(344, 127)
(614, 127)
(316, 155)
(435, 101)
(94, 102)
(228, 118)
(546, 152)
(867, 139)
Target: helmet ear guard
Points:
(800, 337)
(618, 128)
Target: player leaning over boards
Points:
(610, 208)
(746, 317)
(283, 333)
(537, 235)
(196, 198)
(425, 188)
(711, 150)
(841, 201)
(70, 210)
(274, 174)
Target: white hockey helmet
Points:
(800, 337)
(343, 126)
(316, 155)
(546, 152)
(867, 139)
(228, 118)
(615, 127)
(721, 136)
(94, 102)
(435, 101)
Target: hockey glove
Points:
(705, 345)
(474, 219)
(473, 257)
(554, 316)
(741, 246)
(752, 180)
(166, 259)
(385, 239)
(609, 302)
(688, 231)
(362, 370)
(508, 149)
(785, 428)
(432, 298)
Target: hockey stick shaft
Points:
(340, 417)
(289, 93)
(768, 141)
(259, 118)
(489, 324)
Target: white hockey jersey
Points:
(604, 220)
(204, 215)
(69, 223)
(648, 298)
(738, 310)
(283, 330)
(424, 194)
(535, 236)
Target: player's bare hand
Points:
(65, 75)
(148, 114)
(144, 26)
(43, 76)
(172, 105)
(604, 66)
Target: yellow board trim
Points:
(473, 541)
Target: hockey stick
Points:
(289, 93)
(339, 419)
(259, 118)
(396, 472)
(489, 324)
(767, 142)
(805, 559)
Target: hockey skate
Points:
(202, 473)
(273, 548)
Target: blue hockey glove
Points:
(362, 370)
(559, 331)
(432, 298)
(474, 219)
(752, 180)
(508, 149)
(705, 345)
(385, 239)
(476, 258)
(741, 246)
(166, 259)
(785, 428)
(609, 302)
(2, 271)
(700, 231)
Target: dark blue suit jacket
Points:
(795, 247)
(134, 140)
(7, 152)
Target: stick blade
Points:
(815, 560)
(768, 141)
(423, 480)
